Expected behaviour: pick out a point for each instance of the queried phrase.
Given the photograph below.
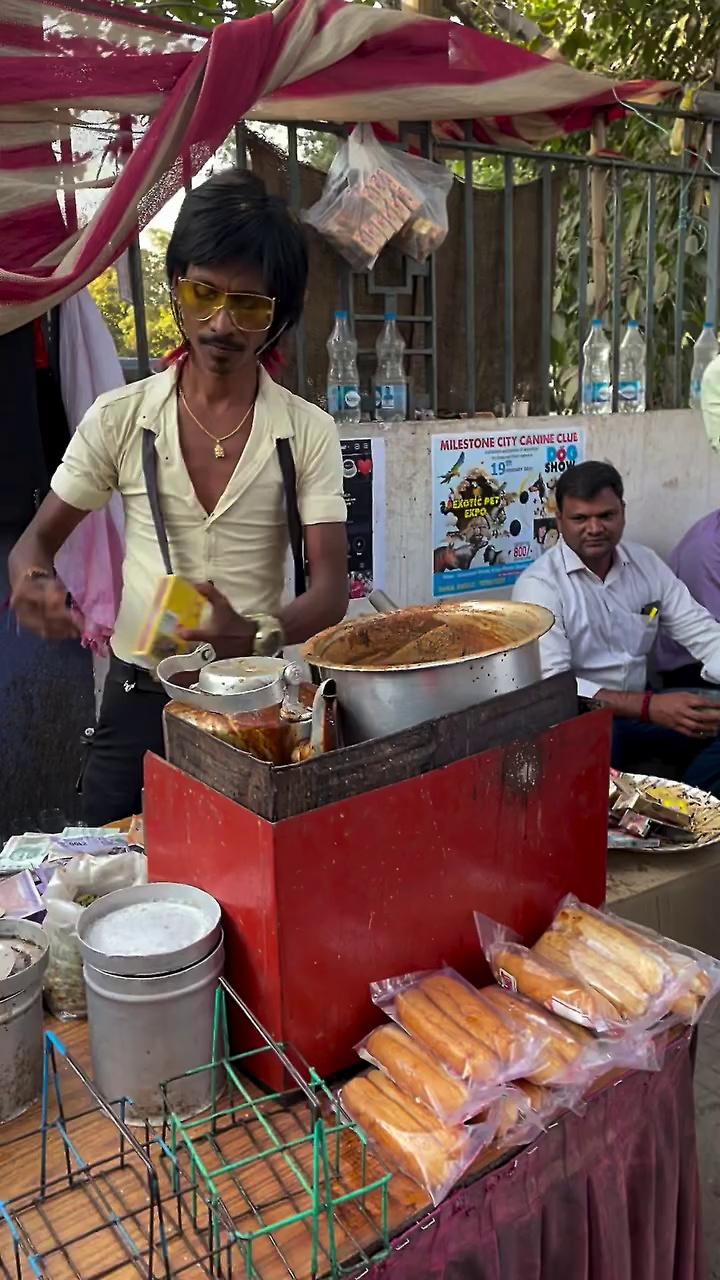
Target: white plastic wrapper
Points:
(71, 890)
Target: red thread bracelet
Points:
(645, 709)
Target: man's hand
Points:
(230, 635)
(39, 604)
(686, 713)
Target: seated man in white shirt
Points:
(608, 598)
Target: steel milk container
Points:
(152, 955)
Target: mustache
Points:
(221, 345)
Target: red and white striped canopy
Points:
(105, 112)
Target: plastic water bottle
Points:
(706, 348)
(391, 388)
(343, 382)
(631, 373)
(596, 388)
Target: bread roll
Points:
(415, 1071)
(445, 1038)
(387, 1123)
(422, 1117)
(630, 953)
(468, 1009)
(560, 1043)
(557, 990)
(600, 972)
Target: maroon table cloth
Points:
(610, 1195)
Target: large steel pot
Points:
(397, 669)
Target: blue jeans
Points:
(638, 747)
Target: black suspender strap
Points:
(149, 461)
(287, 467)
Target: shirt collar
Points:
(159, 397)
(573, 563)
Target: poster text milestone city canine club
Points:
(493, 504)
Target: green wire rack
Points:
(288, 1168)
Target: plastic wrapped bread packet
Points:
(592, 969)
(410, 1138)
(460, 1029)
(671, 977)
(571, 1057)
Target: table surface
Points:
(630, 873)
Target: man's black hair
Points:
(231, 218)
(586, 481)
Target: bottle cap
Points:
(632, 324)
(341, 315)
(597, 324)
(390, 315)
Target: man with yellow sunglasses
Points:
(216, 464)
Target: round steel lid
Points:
(149, 929)
(23, 946)
(241, 675)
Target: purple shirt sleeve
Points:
(696, 562)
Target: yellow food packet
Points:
(177, 606)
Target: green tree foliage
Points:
(118, 314)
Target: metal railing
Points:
(689, 187)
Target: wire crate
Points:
(97, 1202)
(288, 1168)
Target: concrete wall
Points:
(672, 477)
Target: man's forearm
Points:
(628, 706)
(29, 552)
(319, 607)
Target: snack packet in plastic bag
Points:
(368, 198)
(661, 976)
(427, 229)
(526, 1110)
(71, 890)
(409, 1137)
(458, 1027)
(570, 1055)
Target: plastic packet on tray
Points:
(373, 193)
(461, 1029)
(570, 1057)
(594, 971)
(410, 1138)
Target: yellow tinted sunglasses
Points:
(249, 311)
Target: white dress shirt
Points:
(601, 633)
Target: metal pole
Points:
(546, 286)
(469, 223)
(240, 146)
(294, 193)
(582, 270)
(138, 304)
(650, 287)
(680, 281)
(508, 284)
(616, 284)
(713, 225)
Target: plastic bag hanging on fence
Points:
(373, 193)
(428, 228)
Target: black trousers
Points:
(130, 724)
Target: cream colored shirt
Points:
(241, 546)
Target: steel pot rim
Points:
(540, 621)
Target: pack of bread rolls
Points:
(417, 1073)
(409, 1138)
(668, 977)
(461, 1030)
(571, 1056)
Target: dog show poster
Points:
(493, 503)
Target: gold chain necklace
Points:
(219, 440)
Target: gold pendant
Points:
(219, 451)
